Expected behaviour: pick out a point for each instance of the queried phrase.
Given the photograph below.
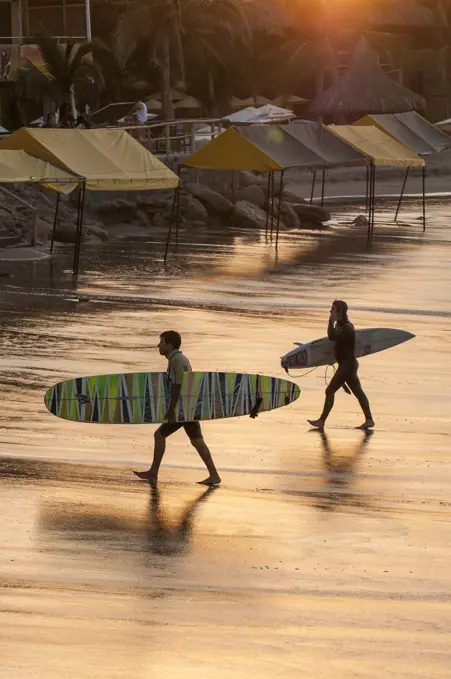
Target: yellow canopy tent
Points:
(384, 151)
(232, 151)
(105, 160)
(17, 166)
(109, 160)
(410, 129)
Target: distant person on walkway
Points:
(341, 331)
(50, 120)
(178, 364)
(140, 112)
(83, 122)
(66, 119)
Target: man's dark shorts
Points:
(192, 429)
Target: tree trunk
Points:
(165, 72)
(212, 95)
(72, 102)
(319, 88)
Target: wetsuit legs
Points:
(346, 374)
(353, 383)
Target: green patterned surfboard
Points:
(143, 398)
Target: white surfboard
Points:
(322, 351)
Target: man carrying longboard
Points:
(178, 364)
(341, 331)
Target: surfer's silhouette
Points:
(169, 538)
(340, 474)
(341, 331)
(178, 364)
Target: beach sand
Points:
(319, 556)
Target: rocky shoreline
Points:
(241, 203)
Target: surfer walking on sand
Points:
(169, 346)
(341, 331)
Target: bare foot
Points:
(211, 481)
(319, 424)
(146, 476)
(366, 425)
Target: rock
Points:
(44, 230)
(311, 214)
(95, 229)
(213, 201)
(246, 178)
(7, 241)
(197, 225)
(247, 215)
(65, 232)
(154, 199)
(192, 208)
(291, 197)
(117, 211)
(8, 222)
(360, 220)
(288, 216)
(158, 220)
(253, 194)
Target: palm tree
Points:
(168, 26)
(58, 70)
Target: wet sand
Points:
(319, 556)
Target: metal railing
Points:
(175, 137)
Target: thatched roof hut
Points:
(365, 88)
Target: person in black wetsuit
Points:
(341, 331)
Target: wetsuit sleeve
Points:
(332, 332)
(336, 332)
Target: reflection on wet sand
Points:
(340, 472)
(112, 525)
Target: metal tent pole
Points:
(313, 187)
(168, 239)
(82, 193)
(55, 221)
(323, 184)
(272, 203)
(177, 218)
(267, 210)
(74, 267)
(402, 193)
(374, 202)
(282, 173)
(424, 198)
(367, 197)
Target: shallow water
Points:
(319, 554)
